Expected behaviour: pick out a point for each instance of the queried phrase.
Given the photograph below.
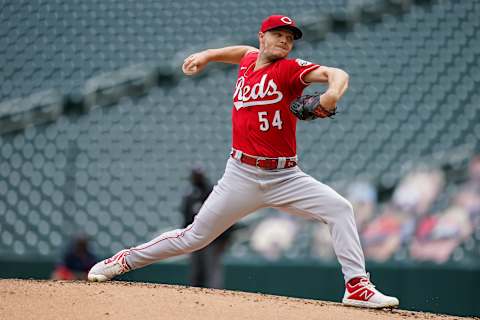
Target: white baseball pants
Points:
(244, 189)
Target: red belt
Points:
(264, 163)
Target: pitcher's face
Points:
(276, 44)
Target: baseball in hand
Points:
(189, 68)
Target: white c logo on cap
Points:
(286, 20)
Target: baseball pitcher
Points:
(263, 168)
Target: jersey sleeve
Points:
(296, 69)
(248, 58)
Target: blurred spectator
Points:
(76, 261)
(418, 190)
(206, 268)
(437, 237)
(385, 234)
(273, 236)
(395, 227)
(469, 195)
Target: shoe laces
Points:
(365, 282)
(120, 259)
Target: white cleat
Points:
(363, 294)
(109, 268)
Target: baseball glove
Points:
(308, 107)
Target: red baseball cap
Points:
(279, 21)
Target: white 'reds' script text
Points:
(247, 96)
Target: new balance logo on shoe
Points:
(363, 294)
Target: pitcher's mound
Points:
(32, 299)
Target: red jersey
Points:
(262, 122)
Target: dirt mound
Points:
(32, 299)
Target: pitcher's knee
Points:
(343, 206)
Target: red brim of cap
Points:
(297, 33)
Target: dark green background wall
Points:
(430, 288)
